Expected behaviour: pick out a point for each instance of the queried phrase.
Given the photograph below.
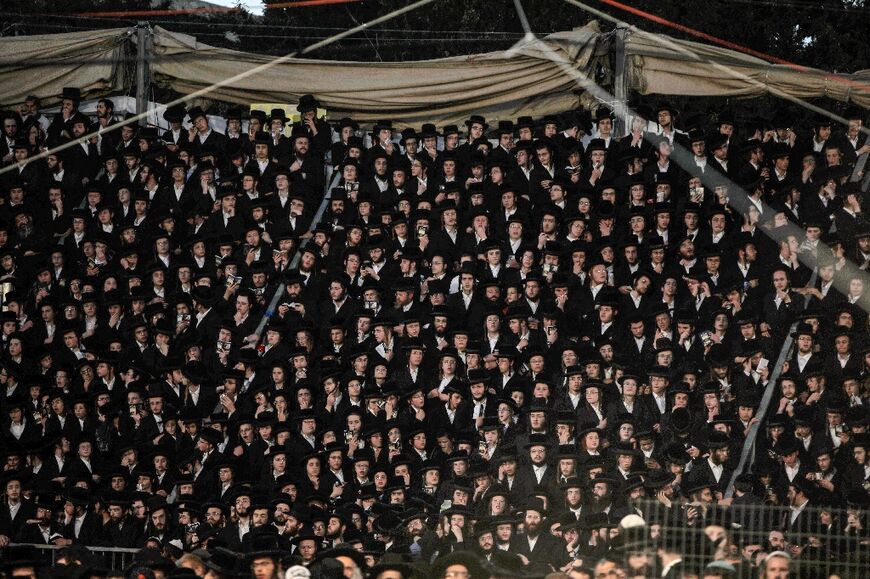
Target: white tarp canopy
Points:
(530, 78)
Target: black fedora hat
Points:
(468, 559)
(196, 112)
(307, 102)
(277, 115)
(72, 93)
(476, 119)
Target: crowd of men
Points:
(503, 349)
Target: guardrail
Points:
(115, 558)
(823, 541)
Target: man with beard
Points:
(304, 165)
(713, 467)
(423, 542)
(601, 494)
(292, 521)
(484, 537)
(503, 527)
(121, 531)
(569, 531)
(260, 522)
(31, 241)
(635, 494)
(108, 139)
(215, 515)
(234, 533)
(536, 545)
(378, 180)
(335, 527)
(158, 520)
(538, 471)
(41, 529)
(69, 107)
(11, 124)
(82, 527)
(573, 493)
(58, 173)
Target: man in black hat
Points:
(476, 126)
(81, 527)
(69, 107)
(536, 544)
(201, 135)
(604, 130)
(122, 530)
(262, 166)
(449, 239)
(782, 304)
(318, 130)
(504, 134)
(42, 528)
(85, 156)
(666, 116)
(15, 509)
(175, 136)
(304, 164)
(545, 172)
(11, 122)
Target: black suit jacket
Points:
(440, 242)
(31, 533)
(11, 527)
(126, 534)
(469, 318)
(548, 549)
(440, 419)
(780, 317)
(90, 534)
(207, 328)
(215, 139)
(701, 471)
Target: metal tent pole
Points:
(143, 72)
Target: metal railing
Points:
(279, 291)
(747, 453)
(115, 558)
(822, 541)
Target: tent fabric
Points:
(41, 65)
(527, 79)
(530, 78)
(663, 65)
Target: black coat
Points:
(11, 527)
(126, 533)
(91, 532)
(548, 550)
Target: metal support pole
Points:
(143, 73)
(620, 79)
(747, 453)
